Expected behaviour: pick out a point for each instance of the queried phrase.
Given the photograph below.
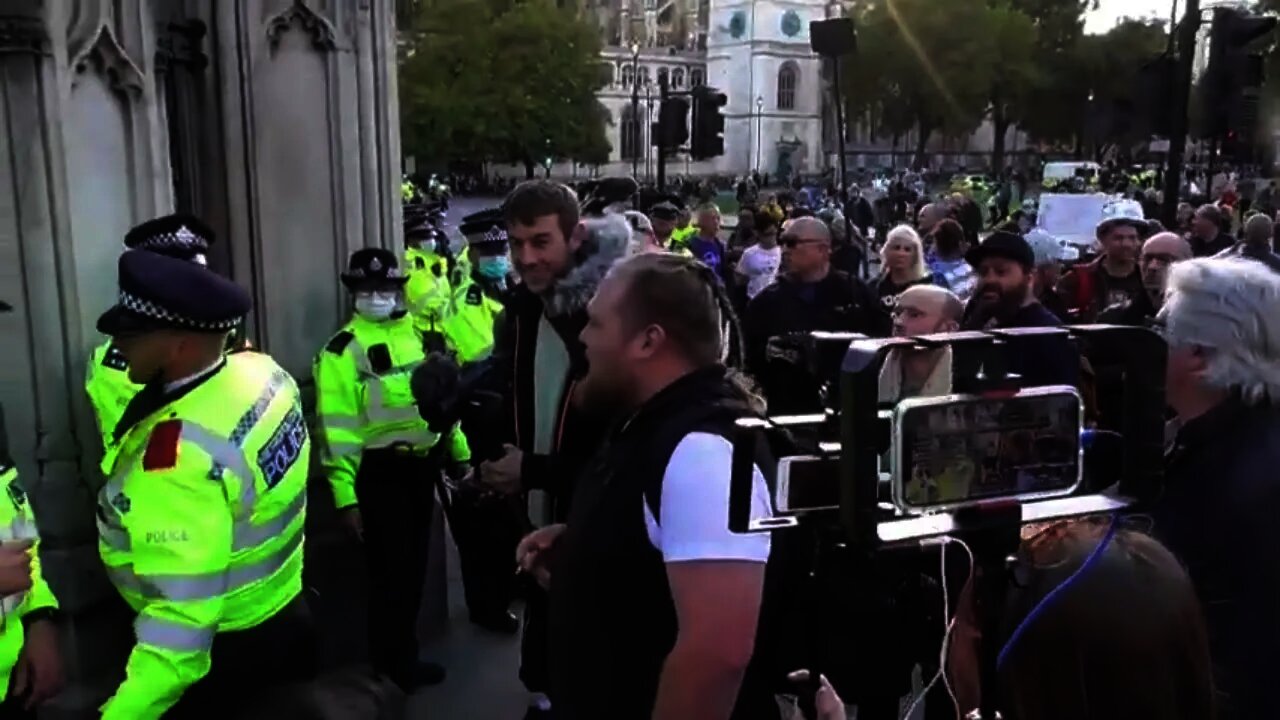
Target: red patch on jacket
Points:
(162, 447)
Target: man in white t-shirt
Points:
(654, 602)
(759, 263)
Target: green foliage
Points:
(501, 80)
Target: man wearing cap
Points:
(201, 521)
(663, 216)
(1112, 278)
(107, 378)
(427, 290)
(610, 195)
(30, 659)
(377, 455)
(1005, 298)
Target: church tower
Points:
(758, 54)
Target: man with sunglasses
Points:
(808, 295)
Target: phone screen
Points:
(807, 483)
(958, 450)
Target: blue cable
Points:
(1039, 609)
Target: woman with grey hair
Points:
(1222, 484)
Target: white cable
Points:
(948, 625)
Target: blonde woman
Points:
(902, 266)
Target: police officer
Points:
(30, 662)
(478, 299)
(427, 288)
(106, 379)
(200, 524)
(486, 527)
(376, 454)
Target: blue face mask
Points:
(494, 267)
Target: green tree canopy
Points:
(501, 81)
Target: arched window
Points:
(788, 77)
(629, 135)
(677, 78)
(695, 77)
(662, 75)
(628, 75)
(644, 75)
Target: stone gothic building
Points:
(275, 120)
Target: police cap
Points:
(182, 236)
(372, 268)
(486, 229)
(159, 292)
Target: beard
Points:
(602, 397)
(1006, 303)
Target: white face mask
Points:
(376, 305)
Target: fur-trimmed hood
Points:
(606, 242)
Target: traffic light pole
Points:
(662, 137)
(1182, 99)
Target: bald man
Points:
(808, 295)
(1159, 253)
(930, 215)
(1259, 232)
(921, 310)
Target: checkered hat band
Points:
(149, 309)
(184, 238)
(496, 235)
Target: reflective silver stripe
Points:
(382, 416)
(116, 538)
(248, 535)
(340, 422)
(251, 416)
(203, 586)
(225, 455)
(170, 635)
(343, 448)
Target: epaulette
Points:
(114, 359)
(338, 343)
(162, 446)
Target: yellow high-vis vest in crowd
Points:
(363, 399)
(469, 327)
(106, 381)
(17, 523)
(427, 290)
(200, 524)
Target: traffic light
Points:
(1235, 73)
(673, 123)
(707, 138)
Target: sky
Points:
(1110, 11)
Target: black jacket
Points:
(576, 436)
(1200, 248)
(1218, 516)
(1262, 255)
(840, 303)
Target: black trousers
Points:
(249, 664)
(486, 531)
(535, 641)
(396, 491)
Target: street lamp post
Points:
(635, 109)
(759, 125)
(648, 129)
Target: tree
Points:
(1012, 78)
(923, 73)
(503, 81)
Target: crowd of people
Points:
(601, 349)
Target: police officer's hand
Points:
(15, 566)
(352, 520)
(503, 474)
(534, 549)
(38, 675)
